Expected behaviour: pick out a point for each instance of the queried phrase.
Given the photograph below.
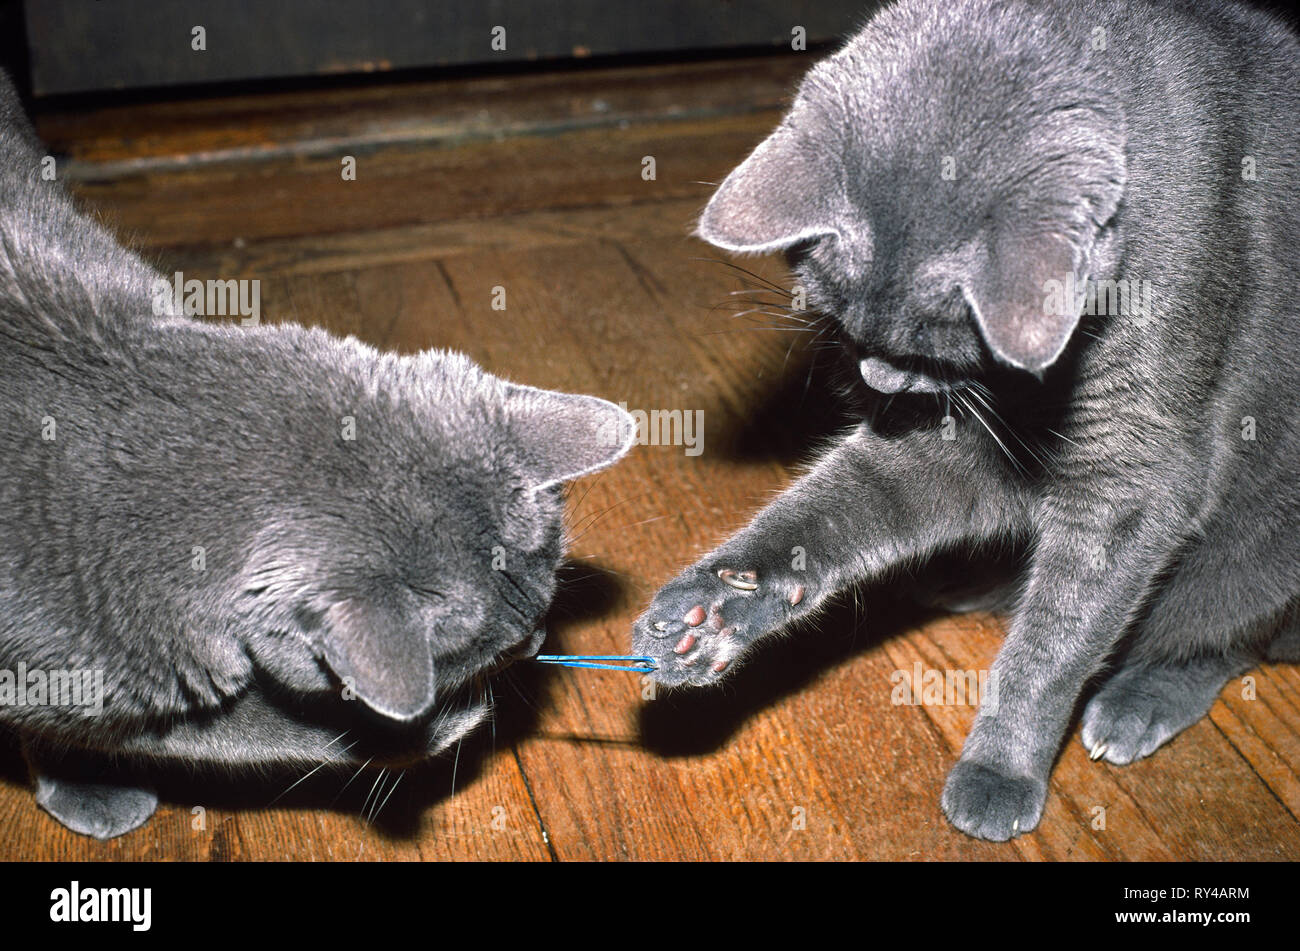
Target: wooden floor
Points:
(535, 184)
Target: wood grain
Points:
(802, 756)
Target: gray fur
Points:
(327, 562)
(1163, 548)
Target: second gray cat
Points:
(248, 546)
(1060, 242)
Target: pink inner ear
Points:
(561, 436)
(388, 665)
(1025, 320)
(772, 200)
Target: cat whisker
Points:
(981, 393)
(383, 773)
(591, 484)
(754, 290)
(391, 790)
(772, 309)
(789, 330)
(780, 315)
(360, 770)
(644, 521)
(757, 297)
(313, 771)
(593, 521)
(510, 681)
(744, 270)
(336, 739)
(782, 320)
(455, 766)
(751, 297)
(961, 398)
(603, 569)
(785, 363)
(587, 520)
(1061, 436)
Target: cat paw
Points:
(698, 624)
(1141, 708)
(985, 802)
(95, 809)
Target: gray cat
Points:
(248, 546)
(1060, 242)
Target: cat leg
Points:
(1157, 693)
(1284, 647)
(867, 506)
(1077, 606)
(81, 795)
(1145, 704)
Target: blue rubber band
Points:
(638, 664)
(564, 657)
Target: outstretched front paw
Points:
(987, 803)
(698, 624)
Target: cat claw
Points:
(1099, 751)
(740, 580)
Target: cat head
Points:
(932, 181)
(420, 551)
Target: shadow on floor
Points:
(809, 403)
(690, 722)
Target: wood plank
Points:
(395, 187)
(120, 140)
(489, 816)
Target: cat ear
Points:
(387, 664)
(1027, 287)
(560, 436)
(772, 200)
(1010, 297)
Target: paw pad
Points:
(701, 622)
